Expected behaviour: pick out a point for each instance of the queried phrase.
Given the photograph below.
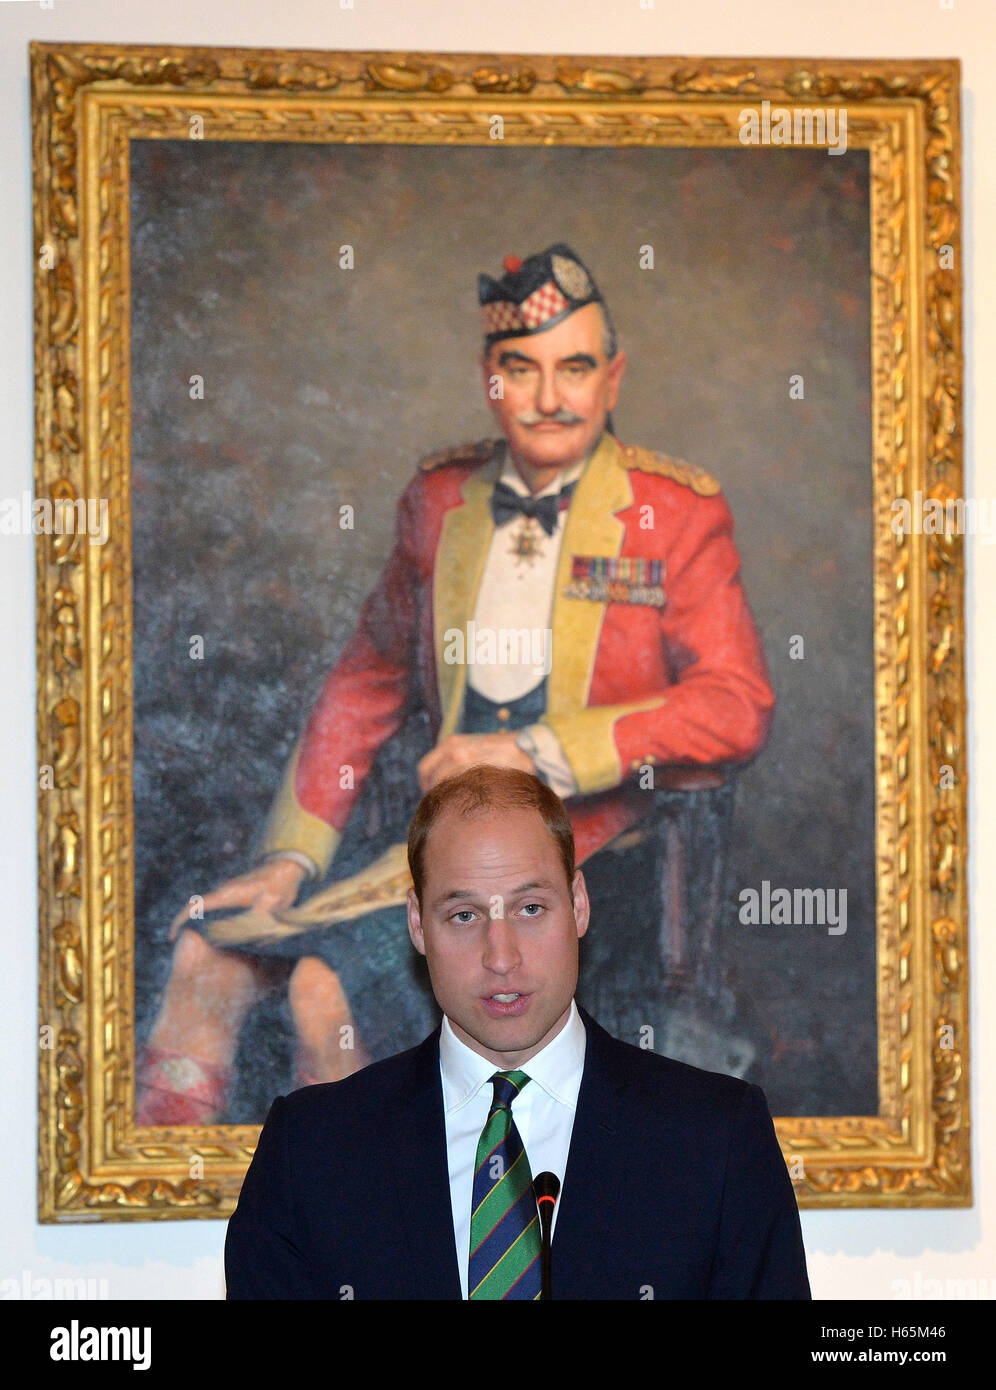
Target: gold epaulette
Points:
(472, 454)
(688, 474)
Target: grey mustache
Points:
(559, 417)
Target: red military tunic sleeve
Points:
(686, 683)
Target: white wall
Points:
(851, 1254)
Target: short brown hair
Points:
(484, 788)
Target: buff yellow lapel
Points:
(592, 529)
(463, 550)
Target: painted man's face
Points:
(557, 388)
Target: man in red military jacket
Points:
(556, 601)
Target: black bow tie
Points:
(506, 503)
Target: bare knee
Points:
(206, 1000)
(192, 956)
(199, 966)
(315, 991)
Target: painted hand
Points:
(460, 751)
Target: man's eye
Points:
(464, 917)
(529, 906)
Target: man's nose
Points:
(547, 393)
(501, 947)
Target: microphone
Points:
(546, 1188)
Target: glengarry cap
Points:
(535, 294)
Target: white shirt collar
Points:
(511, 475)
(556, 1068)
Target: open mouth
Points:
(504, 1003)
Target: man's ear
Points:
(582, 907)
(415, 923)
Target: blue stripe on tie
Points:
(530, 1286)
(509, 1151)
(497, 1242)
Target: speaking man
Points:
(412, 1179)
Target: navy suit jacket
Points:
(675, 1188)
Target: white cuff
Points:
(305, 860)
(541, 744)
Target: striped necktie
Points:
(504, 1226)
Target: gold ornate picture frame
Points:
(89, 103)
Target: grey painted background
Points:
(324, 386)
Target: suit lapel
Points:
(592, 529)
(464, 542)
(421, 1177)
(588, 1220)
